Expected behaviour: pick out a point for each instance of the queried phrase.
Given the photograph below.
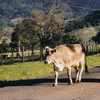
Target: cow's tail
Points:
(86, 67)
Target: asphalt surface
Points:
(41, 88)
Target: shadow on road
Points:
(32, 82)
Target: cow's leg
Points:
(56, 76)
(81, 67)
(69, 75)
(77, 73)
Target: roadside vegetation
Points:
(26, 70)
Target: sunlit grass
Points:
(93, 60)
(24, 70)
(18, 71)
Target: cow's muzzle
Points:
(46, 62)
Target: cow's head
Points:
(49, 55)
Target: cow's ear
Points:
(48, 48)
(53, 50)
(48, 51)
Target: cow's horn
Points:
(46, 47)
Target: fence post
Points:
(1, 56)
(87, 50)
(32, 53)
(97, 48)
(92, 50)
(12, 55)
(23, 59)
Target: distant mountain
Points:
(21, 8)
(11, 9)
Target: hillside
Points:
(86, 11)
(10, 9)
(22, 8)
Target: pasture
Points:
(34, 69)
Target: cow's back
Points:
(69, 53)
(69, 49)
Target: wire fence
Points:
(25, 55)
(92, 49)
(28, 55)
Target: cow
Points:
(67, 56)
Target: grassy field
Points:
(18, 71)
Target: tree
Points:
(24, 34)
(50, 23)
(47, 26)
(92, 18)
(73, 25)
(69, 38)
(96, 38)
(4, 46)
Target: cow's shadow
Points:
(32, 82)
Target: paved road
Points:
(41, 88)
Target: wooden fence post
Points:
(23, 59)
(97, 48)
(1, 56)
(12, 55)
(92, 50)
(87, 50)
(32, 53)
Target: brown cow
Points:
(67, 56)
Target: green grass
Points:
(93, 60)
(18, 71)
(24, 70)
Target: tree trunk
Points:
(19, 47)
(41, 49)
(41, 53)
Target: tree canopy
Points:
(25, 32)
(96, 38)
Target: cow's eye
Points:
(47, 53)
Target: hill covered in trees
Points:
(10, 9)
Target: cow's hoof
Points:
(75, 81)
(70, 83)
(78, 81)
(54, 84)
